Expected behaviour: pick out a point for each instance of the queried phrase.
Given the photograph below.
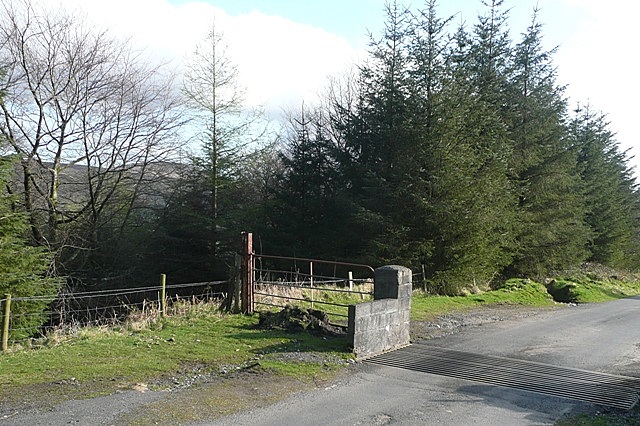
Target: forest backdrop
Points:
(450, 150)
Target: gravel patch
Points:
(456, 321)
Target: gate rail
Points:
(310, 277)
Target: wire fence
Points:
(27, 318)
(311, 283)
(421, 282)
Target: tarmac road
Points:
(600, 337)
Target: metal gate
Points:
(276, 281)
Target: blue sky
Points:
(287, 49)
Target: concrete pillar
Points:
(383, 324)
(392, 282)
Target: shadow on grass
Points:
(299, 341)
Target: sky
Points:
(286, 50)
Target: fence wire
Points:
(34, 317)
(308, 283)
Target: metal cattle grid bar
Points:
(593, 387)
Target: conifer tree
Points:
(215, 101)
(611, 192)
(25, 270)
(380, 141)
(473, 201)
(490, 55)
(229, 133)
(305, 212)
(428, 43)
(551, 211)
(473, 211)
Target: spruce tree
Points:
(551, 210)
(611, 192)
(306, 215)
(379, 151)
(473, 206)
(25, 270)
(428, 44)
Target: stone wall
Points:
(383, 324)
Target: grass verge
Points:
(524, 292)
(166, 353)
(592, 283)
(617, 418)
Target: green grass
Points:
(585, 289)
(592, 285)
(243, 366)
(514, 292)
(632, 417)
(129, 356)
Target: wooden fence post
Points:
(163, 295)
(5, 322)
(311, 281)
(247, 273)
(237, 283)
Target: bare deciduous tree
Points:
(83, 110)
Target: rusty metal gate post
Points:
(247, 273)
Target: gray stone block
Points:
(383, 324)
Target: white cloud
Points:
(599, 64)
(281, 62)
